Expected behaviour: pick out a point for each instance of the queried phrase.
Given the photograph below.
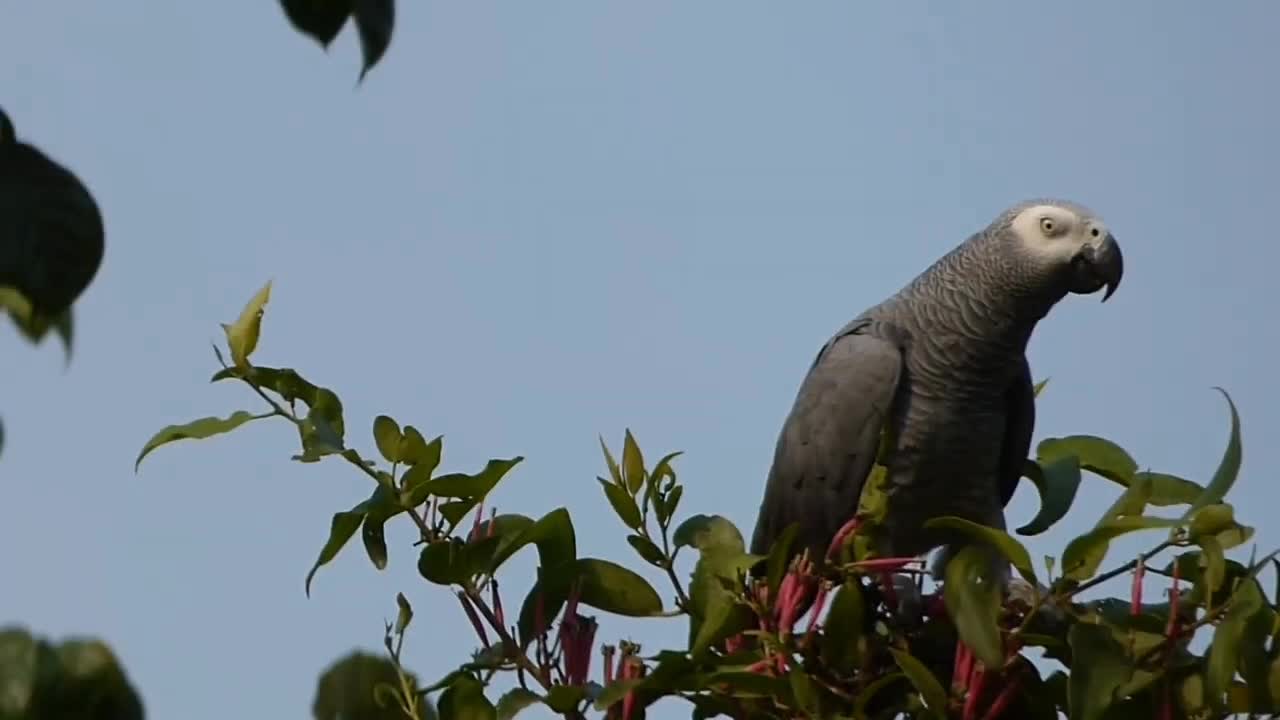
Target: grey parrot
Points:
(51, 232)
(942, 365)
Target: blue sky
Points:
(536, 222)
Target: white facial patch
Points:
(1055, 233)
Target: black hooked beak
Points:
(1100, 265)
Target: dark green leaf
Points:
(935, 698)
(565, 698)
(416, 479)
(405, 613)
(341, 528)
(375, 20)
(458, 485)
(972, 598)
(1099, 456)
(508, 528)
(624, 505)
(550, 590)
(323, 428)
(465, 700)
(670, 504)
(1085, 553)
(632, 464)
(610, 587)
(645, 548)
(1228, 469)
(19, 672)
(321, 20)
(709, 533)
(805, 693)
(196, 430)
(842, 639)
(517, 699)
(387, 436)
(378, 508)
(1098, 669)
(999, 539)
(1254, 664)
(869, 692)
(445, 562)
(552, 534)
(1057, 481)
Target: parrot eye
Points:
(1048, 226)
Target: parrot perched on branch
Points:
(941, 366)
(51, 231)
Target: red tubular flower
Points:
(1002, 701)
(819, 604)
(796, 589)
(842, 535)
(497, 603)
(977, 682)
(632, 669)
(474, 618)
(608, 652)
(1135, 592)
(1171, 628)
(960, 671)
(734, 643)
(577, 638)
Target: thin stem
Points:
(504, 636)
(1127, 567)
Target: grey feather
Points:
(942, 365)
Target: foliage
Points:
(322, 20)
(77, 678)
(876, 644)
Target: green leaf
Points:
(323, 428)
(552, 534)
(1215, 563)
(242, 335)
(1098, 669)
(645, 548)
(565, 698)
(196, 430)
(715, 612)
(341, 528)
(709, 533)
(445, 562)
(972, 598)
(415, 480)
(612, 588)
(624, 505)
(1228, 468)
(1097, 455)
(458, 485)
(1057, 481)
(465, 700)
(805, 693)
(1254, 663)
(378, 509)
(515, 700)
(615, 472)
(1039, 387)
(405, 613)
(375, 20)
(842, 639)
(19, 672)
(414, 450)
(386, 434)
(869, 692)
(632, 464)
(931, 691)
(1224, 652)
(1083, 555)
(999, 539)
(1167, 490)
(670, 504)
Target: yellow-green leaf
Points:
(1097, 455)
(931, 691)
(387, 436)
(242, 335)
(1228, 469)
(1083, 555)
(196, 430)
(972, 598)
(1002, 541)
(632, 464)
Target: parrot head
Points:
(1069, 242)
